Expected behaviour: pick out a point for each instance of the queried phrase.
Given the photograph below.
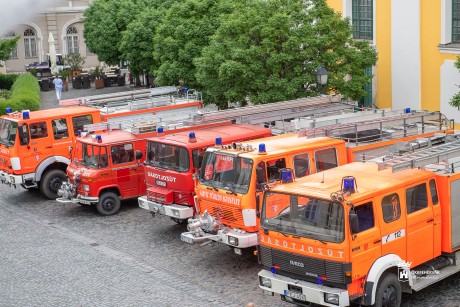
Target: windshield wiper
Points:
(314, 236)
(231, 187)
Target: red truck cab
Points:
(105, 169)
(173, 162)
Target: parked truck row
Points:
(340, 205)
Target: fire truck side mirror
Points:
(138, 155)
(354, 223)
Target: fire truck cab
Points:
(173, 162)
(363, 232)
(35, 147)
(232, 181)
(106, 168)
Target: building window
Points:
(14, 52)
(455, 21)
(72, 40)
(362, 19)
(30, 44)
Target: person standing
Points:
(58, 86)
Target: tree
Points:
(136, 44)
(105, 21)
(7, 45)
(269, 50)
(455, 101)
(184, 31)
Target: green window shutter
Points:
(366, 102)
(362, 19)
(456, 21)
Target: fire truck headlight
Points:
(175, 213)
(331, 298)
(265, 282)
(86, 188)
(232, 241)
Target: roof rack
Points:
(436, 158)
(384, 128)
(120, 96)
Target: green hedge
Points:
(25, 95)
(6, 81)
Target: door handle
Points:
(430, 220)
(377, 241)
(133, 169)
(49, 147)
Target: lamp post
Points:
(321, 78)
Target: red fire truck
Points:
(173, 162)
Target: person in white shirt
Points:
(58, 86)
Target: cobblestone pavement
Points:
(68, 255)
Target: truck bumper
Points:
(311, 293)
(16, 179)
(234, 238)
(174, 211)
(84, 200)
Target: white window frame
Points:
(72, 40)
(30, 44)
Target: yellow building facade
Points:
(417, 42)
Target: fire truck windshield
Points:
(168, 156)
(227, 172)
(90, 156)
(308, 217)
(8, 131)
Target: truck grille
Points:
(227, 214)
(160, 196)
(304, 267)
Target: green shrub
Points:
(7, 80)
(26, 93)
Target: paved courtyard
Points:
(53, 254)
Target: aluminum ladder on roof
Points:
(431, 155)
(120, 96)
(385, 128)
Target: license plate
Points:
(295, 295)
(186, 239)
(160, 183)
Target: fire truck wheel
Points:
(109, 204)
(388, 292)
(51, 182)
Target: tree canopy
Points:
(6, 46)
(267, 51)
(233, 50)
(185, 30)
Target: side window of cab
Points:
(78, 122)
(365, 213)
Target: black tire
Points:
(388, 291)
(51, 182)
(109, 204)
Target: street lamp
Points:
(321, 78)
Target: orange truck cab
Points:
(34, 146)
(173, 162)
(363, 233)
(231, 180)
